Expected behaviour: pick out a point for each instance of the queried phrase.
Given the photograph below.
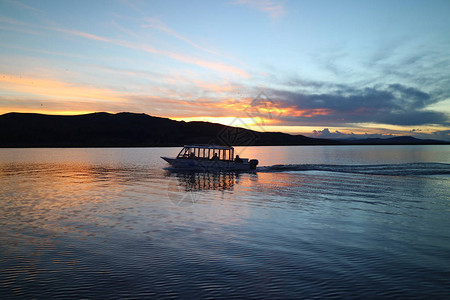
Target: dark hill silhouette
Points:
(130, 130)
(141, 130)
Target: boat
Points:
(210, 157)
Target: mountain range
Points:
(142, 130)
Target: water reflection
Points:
(75, 199)
(389, 154)
(76, 173)
(186, 188)
(200, 181)
(100, 225)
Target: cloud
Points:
(54, 89)
(217, 66)
(327, 134)
(214, 65)
(84, 35)
(393, 104)
(274, 9)
(34, 94)
(218, 88)
(37, 50)
(209, 64)
(443, 135)
(161, 26)
(10, 21)
(24, 6)
(56, 106)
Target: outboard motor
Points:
(253, 163)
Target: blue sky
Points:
(320, 68)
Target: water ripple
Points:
(382, 169)
(116, 230)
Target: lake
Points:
(311, 222)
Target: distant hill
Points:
(130, 130)
(398, 140)
(141, 130)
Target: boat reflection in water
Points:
(186, 188)
(200, 181)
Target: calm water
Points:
(312, 222)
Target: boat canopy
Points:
(207, 152)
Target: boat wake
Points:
(409, 169)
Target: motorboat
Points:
(210, 157)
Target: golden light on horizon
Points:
(244, 122)
(50, 88)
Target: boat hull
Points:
(206, 164)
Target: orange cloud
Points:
(218, 88)
(217, 66)
(308, 113)
(49, 88)
(56, 106)
(243, 122)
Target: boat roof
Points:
(209, 147)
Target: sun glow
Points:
(245, 122)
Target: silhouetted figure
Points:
(215, 157)
(192, 155)
(238, 159)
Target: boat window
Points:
(222, 153)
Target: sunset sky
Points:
(319, 68)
